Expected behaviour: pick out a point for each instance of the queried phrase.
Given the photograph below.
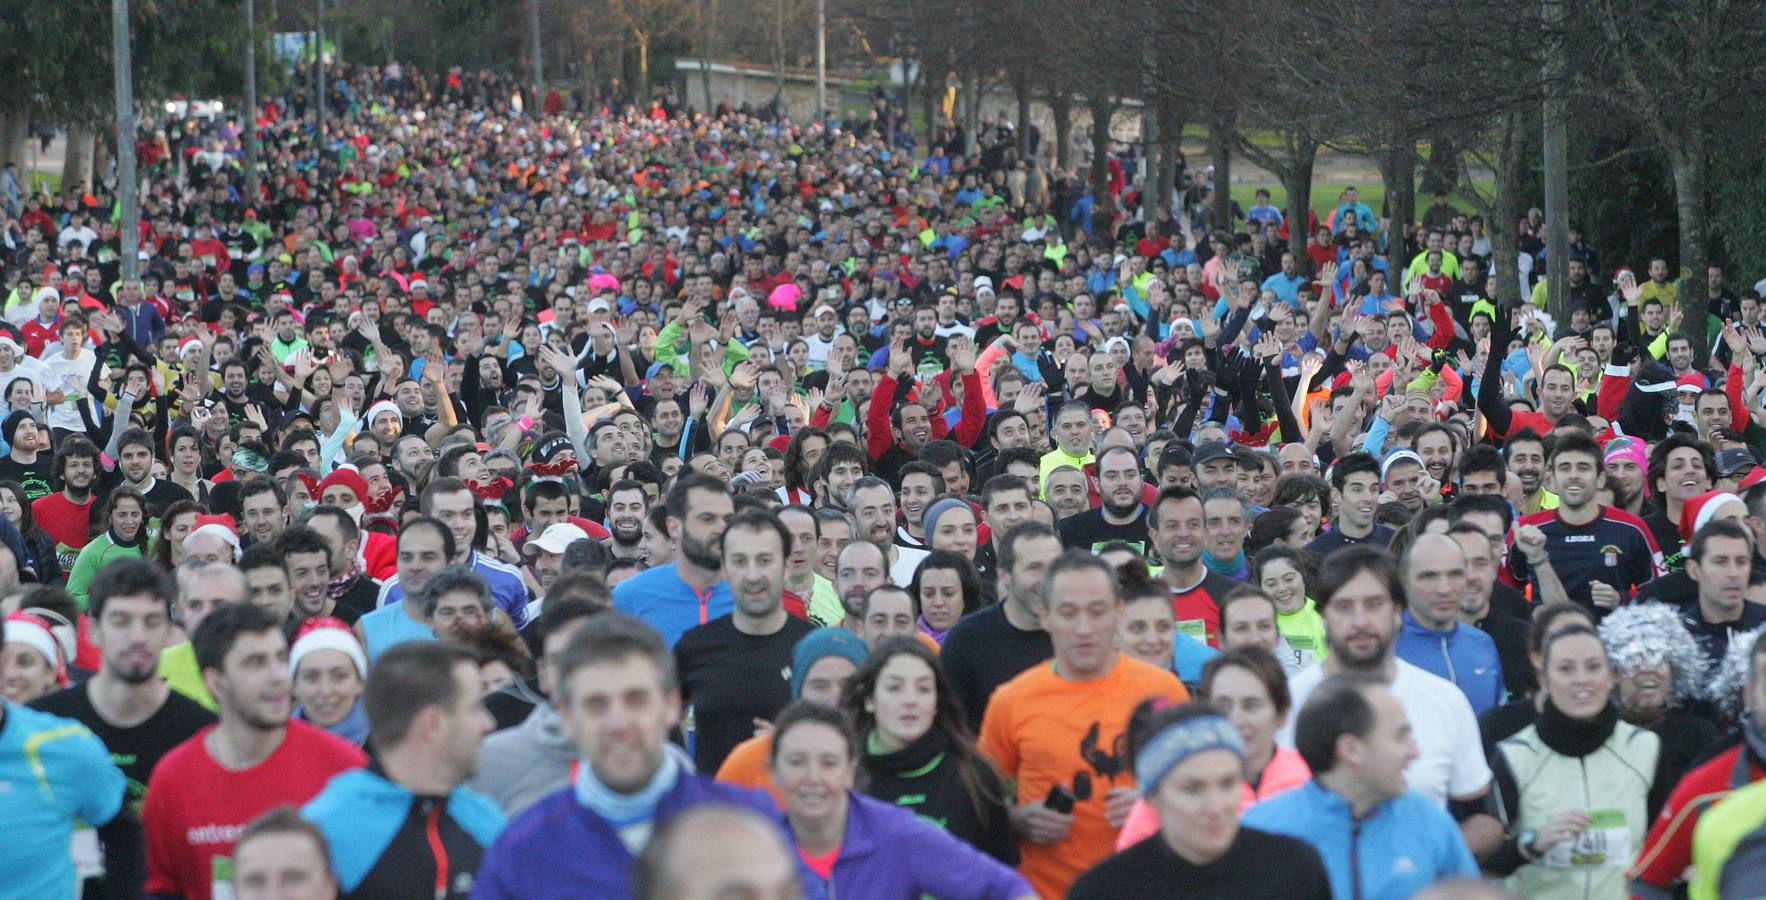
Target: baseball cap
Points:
(555, 539)
(1734, 461)
(1210, 452)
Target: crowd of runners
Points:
(615, 499)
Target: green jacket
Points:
(673, 343)
(1612, 785)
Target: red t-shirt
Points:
(195, 809)
(68, 524)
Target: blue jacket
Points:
(890, 852)
(1463, 655)
(361, 811)
(561, 850)
(1397, 849)
(507, 589)
(669, 604)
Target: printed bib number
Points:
(1607, 842)
(1195, 628)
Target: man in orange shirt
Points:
(1059, 730)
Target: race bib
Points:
(1195, 628)
(221, 878)
(1607, 842)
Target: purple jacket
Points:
(560, 850)
(892, 854)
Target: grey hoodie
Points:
(518, 767)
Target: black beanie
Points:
(10, 426)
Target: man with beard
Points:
(350, 586)
(689, 590)
(1524, 451)
(627, 504)
(1626, 462)
(1594, 555)
(254, 759)
(730, 667)
(1362, 601)
(873, 507)
(995, 644)
(408, 827)
(1122, 516)
(861, 566)
(126, 705)
(66, 516)
(1178, 525)
(134, 470)
(308, 559)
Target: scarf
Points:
(341, 586)
(913, 761)
(626, 810)
(1571, 737)
(933, 633)
(352, 727)
(552, 469)
(1235, 568)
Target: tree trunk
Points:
(934, 83)
(102, 155)
(76, 169)
(1398, 171)
(643, 41)
(1443, 166)
(1103, 109)
(1505, 242)
(1689, 163)
(1171, 147)
(1061, 110)
(1298, 183)
(1021, 88)
(971, 85)
(1220, 142)
(707, 13)
(15, 130)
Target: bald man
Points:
(1432, 638)
(717, 851)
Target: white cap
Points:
(555, 539)
(328, 639)
(599, 304)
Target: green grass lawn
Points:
(45, 181)
(1324, 195)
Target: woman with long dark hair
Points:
(947, 588)
(39, 546)
(125, 516)
(918, 752)
(175, 525)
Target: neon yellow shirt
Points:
(177, 665)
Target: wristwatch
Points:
(1525, 844)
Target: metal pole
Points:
(822, 59)
(129, 222)
(1557, 176)
(319, 62)
(249, 137)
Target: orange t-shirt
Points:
(750, 766)
(1044, 730)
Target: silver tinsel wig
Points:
(1731, 676)
(1647, 634)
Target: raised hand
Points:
(962, 358)
(1629, 288)
(697, 399)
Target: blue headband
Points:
(1180, 741)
